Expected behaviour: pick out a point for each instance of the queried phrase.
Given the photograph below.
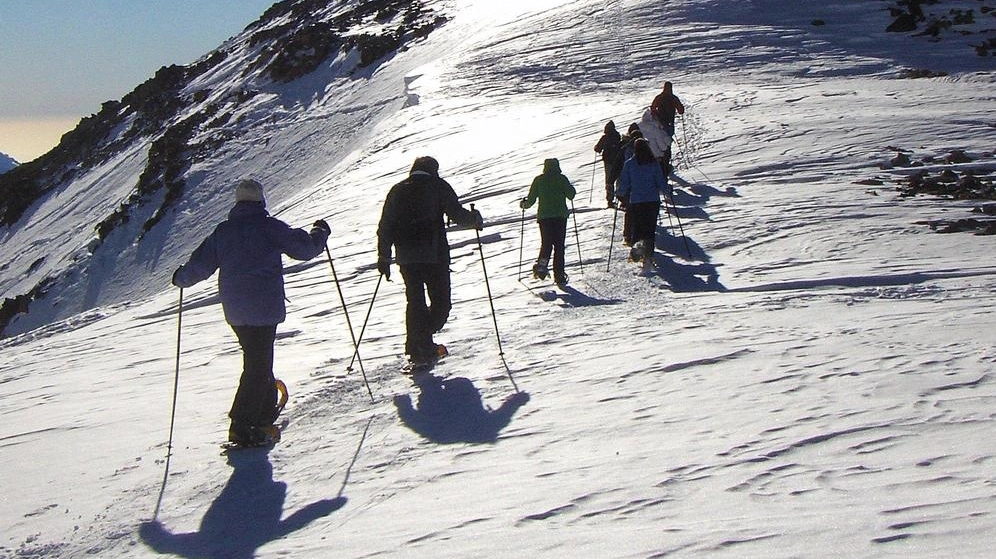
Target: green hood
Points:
(551, 166)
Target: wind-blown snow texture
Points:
(812, 378)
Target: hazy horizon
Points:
(62, 59)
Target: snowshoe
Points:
(282, 397)
(424, 363)
(413, 367)
(560, 279)
(257, 437)
(540, 271)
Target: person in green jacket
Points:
(552, 189)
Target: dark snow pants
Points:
(256, 398)
(553, 237)
(423, 320)
(643, 217)
(612, 171)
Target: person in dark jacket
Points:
(552, 189)
(412, 223)
(642, 182)
(663, 108)
(609, 145)
(247, 250)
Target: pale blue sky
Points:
(60, 59)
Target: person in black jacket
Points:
(412, 223)
(609, 145)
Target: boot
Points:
(540, 270)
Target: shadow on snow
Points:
(246, 515)
(570, 297)
(452, 411)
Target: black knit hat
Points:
(425, 164)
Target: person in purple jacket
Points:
(641, 183)
(246, 250)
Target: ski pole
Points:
(345, 311)
(172, 414)
(592, 188)
(678, 217)
(176, 371)
(356, 350)
(612, 238)
(577, 238)
(667, 210)
(522, 236)
(494, 315)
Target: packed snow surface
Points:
(806, 371)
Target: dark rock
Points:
(947, 175)
(970, 182)
(903, 24)
(958, 156)
(985, 209)
(900, 160)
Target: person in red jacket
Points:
(663, 108)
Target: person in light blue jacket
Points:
(247, 250)
(641, 183)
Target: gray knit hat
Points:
(249, 190)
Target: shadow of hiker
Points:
(688, 278)
(245, 516)
(451, 411)
(702, 192)
(570, 297)
(672, 242)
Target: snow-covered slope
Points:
(6, 163)
(164, 173)
(808, 376)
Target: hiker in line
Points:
(609, 145)
(246, 250)
(663, 108)
(552, 189)
(412, 223)
(642, 181)
(633, 133)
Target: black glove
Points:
(173, 280)
(322, 224)
(478, 220)
(523, 204)
(384, 267)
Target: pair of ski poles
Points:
(357, 342)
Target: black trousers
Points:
(256, 399)
(422, 319)
(612, 171)
(553, 237)
(627, 223)
(643, 218)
